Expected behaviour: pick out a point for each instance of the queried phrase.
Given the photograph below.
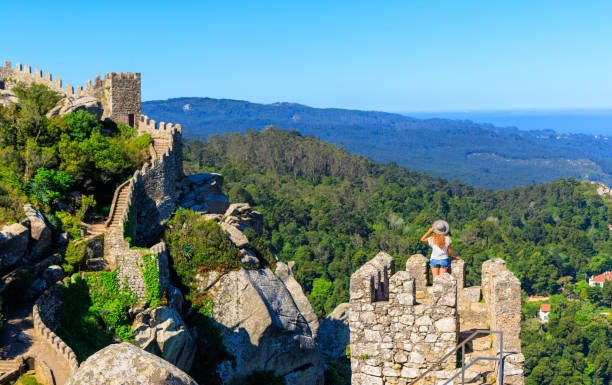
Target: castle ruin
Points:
(400, 327)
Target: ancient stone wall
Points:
(43, 315)
(151, 195)
(394, 338)
(119, 93)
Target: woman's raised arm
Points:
(424, 237)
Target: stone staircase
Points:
(120, 206)
(7, 368)
(472, 316)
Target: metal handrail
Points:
(463, 367)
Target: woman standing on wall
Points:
(440, 247)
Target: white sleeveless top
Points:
(436, 252)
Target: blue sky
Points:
(394, 56)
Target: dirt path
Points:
(17, 338)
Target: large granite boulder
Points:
(161, 331)
(334, 334)
(262, 327)
(75, 103)
(41, 232)
(14, 241)
(126, 364)
(285, 273)
(204, 193)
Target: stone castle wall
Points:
(43, 315)
(119, 93)
(400, 326)
(393, 337)
(151, 194)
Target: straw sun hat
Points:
(441, 227)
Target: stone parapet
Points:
(43, 315)
(394, 338)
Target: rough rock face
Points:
(284, 272)
(161, 331)
(13, 244)
(71, 104)
(8, 97)
(204, 193)
(334, 334)
(41, 233)
(235, 235)
(126, 364)
(262, 327)
(242, 216)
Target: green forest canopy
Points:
(331, 211)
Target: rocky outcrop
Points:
(235, 235)
(72, 104)
(41, 233)
(203, 193)
(334, 335)
(8, 98)
(242, 216)
(14, 241)
(284, 272)
(127, 364)
(161, 331)
(262, 327)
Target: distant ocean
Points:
(593, 122)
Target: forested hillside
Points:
(330, 211)
(476, 154)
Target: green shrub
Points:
(50, 186)
(150, 274)
(75, 253)
(197, 245)
(69, 223)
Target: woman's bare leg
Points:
(435, 271)
(443, 270)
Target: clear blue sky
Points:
(396, 56)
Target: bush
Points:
(197, 245)
(75, 253)
(49, 186)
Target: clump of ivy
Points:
(150, 274)
(94, 312)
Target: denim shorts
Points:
(445, 263)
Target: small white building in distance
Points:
(544, 311)
(599, 280)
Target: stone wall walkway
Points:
(18, 338)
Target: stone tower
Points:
(122, 94)
(400, 326)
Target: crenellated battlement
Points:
(150, 126)
(119, 93)
(400, 326)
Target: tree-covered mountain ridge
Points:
(477, 154)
